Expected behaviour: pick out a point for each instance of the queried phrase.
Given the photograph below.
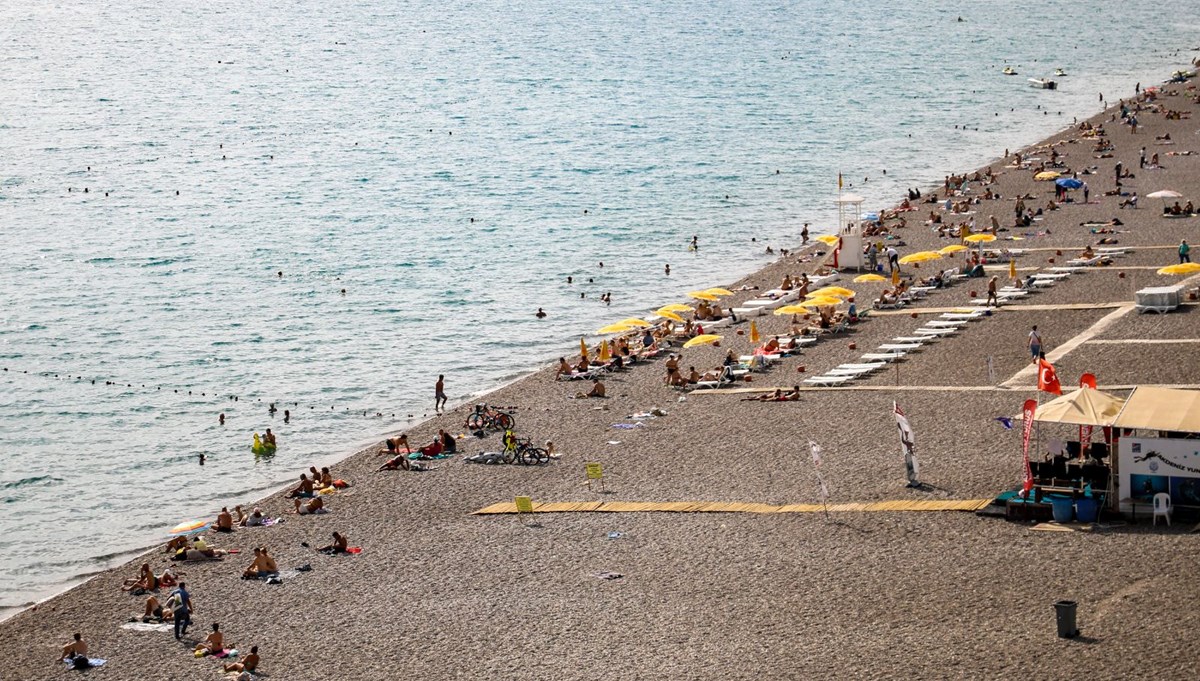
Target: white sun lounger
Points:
(900, 346)
(748, 311)
(883, 356)
(1056, 276)
(827, 380)
(962, 316)
(910, 339)
(854, 370)
(1069, 269)
(934, 334)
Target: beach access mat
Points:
(735, 507)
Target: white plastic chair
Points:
(1162, 507)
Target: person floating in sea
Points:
(667, 269)
(221, 419)
(287, 416)
(695, 243)
(541, 314)
(269, 438)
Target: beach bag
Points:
(80, 662)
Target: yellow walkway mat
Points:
(733, 507)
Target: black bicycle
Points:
(487, 418)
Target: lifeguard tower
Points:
(850, 250)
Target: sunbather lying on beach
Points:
(200, 550)
(145, 581)
(248, 664)
(157, 611)
(393, 463)
(213, 643)
(432, 449)
(313, 506)
(338, 545)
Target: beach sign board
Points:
(524, 504)
(1150, 465)
(594, 472)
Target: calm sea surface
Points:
(448, 165)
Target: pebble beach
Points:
(440, 593)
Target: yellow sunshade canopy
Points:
(702, 339)
(864, 278)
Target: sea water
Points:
(425, 175)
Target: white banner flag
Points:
(816, 453)
(908, 442)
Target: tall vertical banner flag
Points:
(1085, 432)
(822, 489)
(1026, 428)
(908, 444)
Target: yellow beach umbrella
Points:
(836, 291)
(865, 278)
(718, 291)
(980, 238)
(828, 239)
(583, 348)
(667, 314)
(605, 354)
(895, 277)
(619, 327)
(821, 300)
(701, 295)
(1012, 269)
(702, 339)
(922, 256)
(1047, 175)
(677, 307)
(634, 321)
(1181, 268)
(753, 332)
(791, 309)
(953, 248)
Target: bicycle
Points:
(523, 451)
(487, 418)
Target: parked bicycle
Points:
(523, 451)
(487, 418)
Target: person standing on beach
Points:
(1142, 159)
(439, 394)
(873, 256)
(991, 297)
(804, 234)
(1035, 343)
(893, 259)
(183, 613)
(1184, 251)
(1085, 192)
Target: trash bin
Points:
(1086, 510)
(1063, 507)
(1064, 612)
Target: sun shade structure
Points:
(1181, 268)
(677, 307)
(718, 291)
(634, 321)
(1152, 408)
(836, 291)
(667, 314)
(1047, 175)
(821, 301)
(828, 239)
(1165, 194)
(952, 248)
(702, 339)
(865, 278)
(701, 295)
(920, 256)
(619, 327)
(190, 526)
(791, 309)
(1084, 407)
(979, 238)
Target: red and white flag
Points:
(1027, 413)
(1047, 378)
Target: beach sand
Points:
(438, 593)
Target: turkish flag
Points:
(1047, 379)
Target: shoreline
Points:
(369, 442)
(525, 381)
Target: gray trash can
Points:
(1064, 611)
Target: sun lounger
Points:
(1087, 262)
(932, 334)
(816, 282)
(725, 378)
(910, 339)
(1055, 273)
(946, 323)
(749, 311)
(922, 291)
(900, 346)
(962, 316)
(883, 356)
(827, 380)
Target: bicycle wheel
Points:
(475, 421)
(509, 455)
(505, 421)
(538, 455)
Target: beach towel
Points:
(628, 426)
(148, 626)
(92, 662)
(417, 456)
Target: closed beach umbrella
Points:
(701, 295)
(828, 239)
(896, 277)
(1068, 183)
(604, 354)
(753, 332)
(619, 327)
(979, 238)
(1047, 175)
(791, 309)
(865, 278)
(190, 526)
(583, 348)
(677, 307)
(667, 314)
(1181, 268)
(634, 321)
(702, 339)
(1012, 269)
(920, 256)
(718, 291)
(953, 248)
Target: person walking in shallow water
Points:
(439, 394)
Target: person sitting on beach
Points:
(325, 479)
(167, 579)
(449, 444)
(145, 581)
(675, 379)
(564, 369)
(77, 648)
(157, 611)
(1087, 253)
(729, 360)
(304, 489)
(771, 347)
(263, 566)
(596, 391)
(248, 664)
(693, 375)
(313, 506)
(1176, 209)
(213, 643)
(224, 521)
(433, 449)
(1130, 202)
(338, 545)
(200, 550)
(793, 395)
(583, 365)
(787, 283)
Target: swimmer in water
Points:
(541, 314)
(221, 419)
(287, 416)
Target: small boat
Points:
(1059, 73)
(1043, 84)
(1010, 71)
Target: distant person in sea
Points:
(804, 234)
(287, 416)
(695, 243)
(269, 438)
(667, 269)
(248, 664)
(439, 394)
(540, 314)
